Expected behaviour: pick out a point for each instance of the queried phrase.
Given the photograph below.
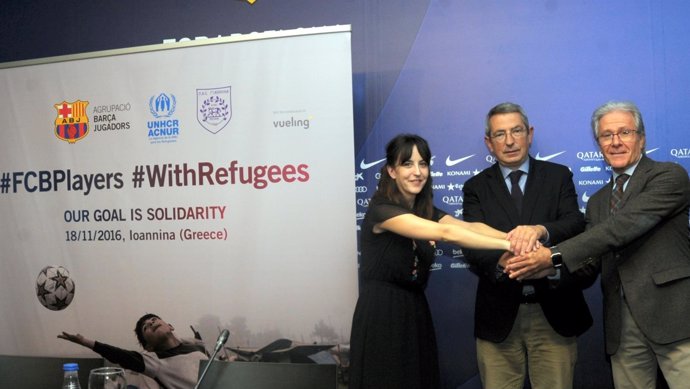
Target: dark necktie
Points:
(617, 195)
(515, 191)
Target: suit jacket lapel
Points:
(602, 209)
(635, 182)
(633, 187)
(533, 188)
(500, 189)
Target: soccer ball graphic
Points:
(54, 288)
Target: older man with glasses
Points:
(524, 325)
(637, 231)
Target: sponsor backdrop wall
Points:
(434, 68)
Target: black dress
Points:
(393, 344)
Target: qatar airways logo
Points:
(681, 153)
(590, 156)
(452, 200)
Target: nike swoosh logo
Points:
(365, 166)
(585, 198)
(453, 162)
(547, 157)
(651, 151)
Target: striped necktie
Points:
(617, 195)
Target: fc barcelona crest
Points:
(71, 123)
(213, 108)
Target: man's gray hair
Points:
(612, 106)
(502, 108)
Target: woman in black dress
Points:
(393, 344)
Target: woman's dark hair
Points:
(139, 328)
(399, 150)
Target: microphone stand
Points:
(222, 338)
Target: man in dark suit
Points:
(637, 230)
(535, 324)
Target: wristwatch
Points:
(556, 257)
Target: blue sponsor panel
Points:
(559, 61)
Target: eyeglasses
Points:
(606, 138)
(516, 133)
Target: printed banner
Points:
(211, 184)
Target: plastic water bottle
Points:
(71, 377)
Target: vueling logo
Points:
(291, 123)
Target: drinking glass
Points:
(107, 378)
